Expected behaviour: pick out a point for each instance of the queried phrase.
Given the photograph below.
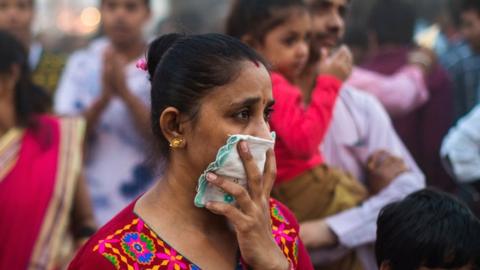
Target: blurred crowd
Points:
(374, 102)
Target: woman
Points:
(40, 161)
(204, 88)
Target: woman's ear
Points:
(172, 127)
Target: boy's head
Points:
(16, 17)
(278, 29)
(123, 20)
(470, 23)
(427, 230)
(392, 22)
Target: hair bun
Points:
(158, 48)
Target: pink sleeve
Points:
(303, 129)
(304, 261)
(400, 93)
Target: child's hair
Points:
(428, 228)
(184, 69)
(257, 17)
(29, 99)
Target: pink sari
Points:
(38, 172)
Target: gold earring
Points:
(177, 142)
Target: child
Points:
(427, 230)
(280, 31)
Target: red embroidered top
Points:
(126, 242)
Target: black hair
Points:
(29, 99)
(468, 5)
(428, 228)
(393, 22)
(146, 2)
(356, 36)
(258, 17)
(185, 68)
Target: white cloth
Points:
(34, 55)
(361, 126)
(228, 163)
(115, 168)
(462, 147)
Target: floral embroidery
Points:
(136, 246)
(113, 259)
(295, 250)
(172, 260)
(277, 214)
(139, 247)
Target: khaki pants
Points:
(319, 193)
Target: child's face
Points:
(123, 20)
(286, 47)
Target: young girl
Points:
(280, 31)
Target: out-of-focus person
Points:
(43, 196)
(16, 17)
(103, 84)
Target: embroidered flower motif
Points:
(172, 260)
(139, 247)
(113, 259)
(281, 235)
(142, 64)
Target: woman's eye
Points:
(244, 115)
(268, 114)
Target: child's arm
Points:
(302, 129)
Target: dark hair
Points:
(185, 68)
(29, 99)
(393, 22)
(355, 36)
(427, 228)
(147, 3)
(468, 5)
(258, 17)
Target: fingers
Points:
(237, 191)
(233, 214)
(270, 173)
(254, 176)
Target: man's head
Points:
(16, 17)
(328, 21)
(392, 22)
(470, 23)
(427, 230)
(123, 20)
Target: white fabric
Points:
(361, 126)
(462, 147)
(229, 165)
(116, 153)
(34, 55)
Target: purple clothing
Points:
(423, 129)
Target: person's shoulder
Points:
(106, 249)
(358, 97)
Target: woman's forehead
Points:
(253, 81)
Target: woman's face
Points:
(241, 107)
